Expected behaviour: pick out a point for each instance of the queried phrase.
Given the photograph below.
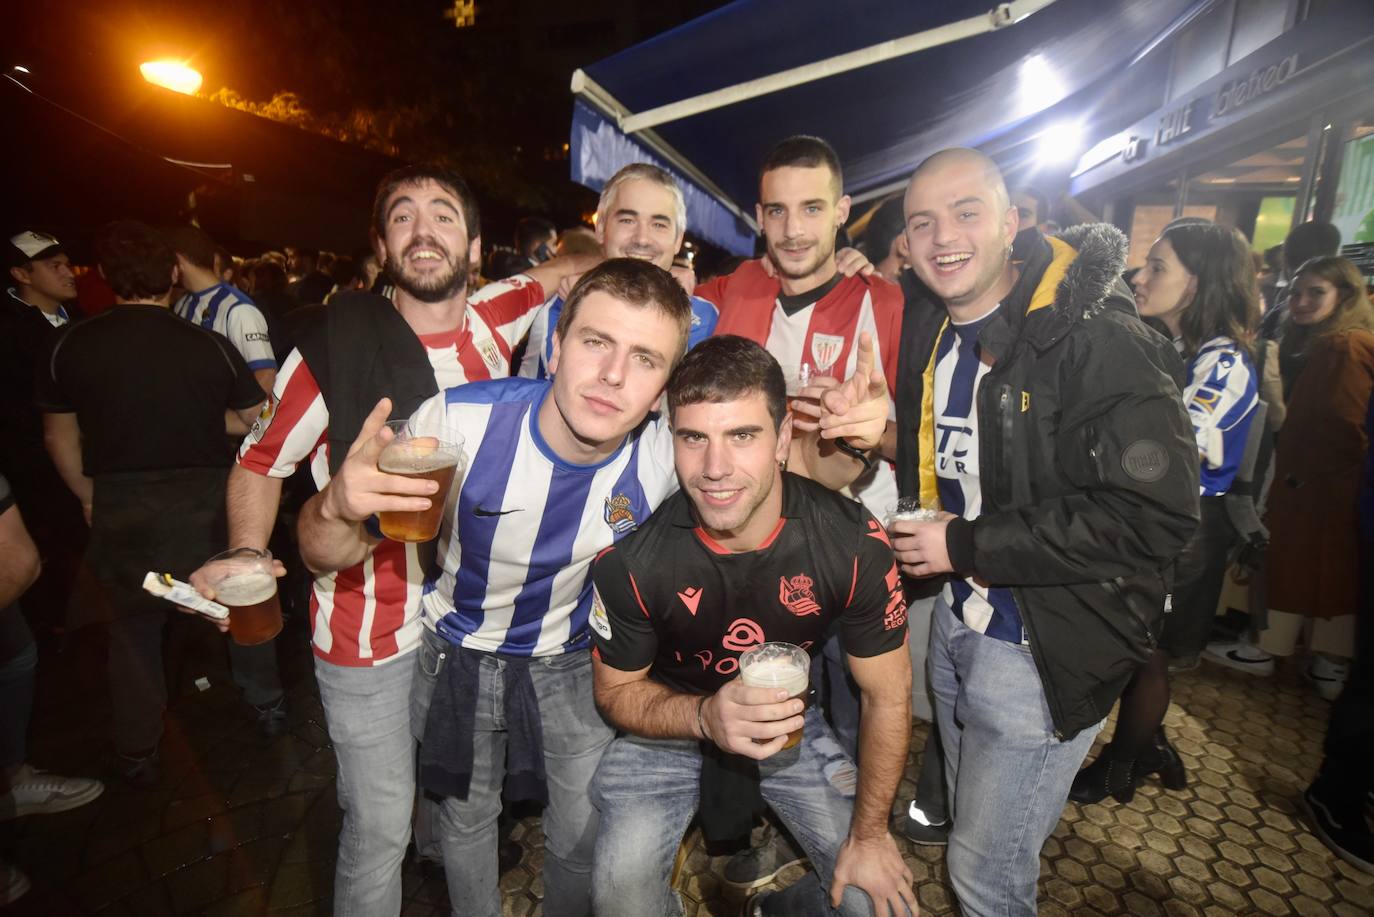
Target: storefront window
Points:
(1258, 22)
(1354, 210)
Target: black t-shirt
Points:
(149, 390)
(669, 597)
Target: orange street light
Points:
(170, 74)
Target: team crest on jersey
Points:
(825, 349)
(491, 355)
(618, 514)
(797, 594)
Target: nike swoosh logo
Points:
(478, 511)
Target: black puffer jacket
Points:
(1088, 464)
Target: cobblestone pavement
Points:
(245, 826)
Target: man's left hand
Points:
(920, 546)
(875, 866)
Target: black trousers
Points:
(164, 521)
(1346, 773)
(1198, 576)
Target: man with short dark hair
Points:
(310, 284)
(1047, 421)
(217, 305)
(558, 471)
(137, 403)
(1305, 241)
(535, 238)
(676, 605)
(365, 617)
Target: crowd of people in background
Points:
(1116, 474)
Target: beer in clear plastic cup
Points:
(779, 665)
(911, 509)
(244, 583)
(435, 458)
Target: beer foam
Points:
(243, 589)
(777, 673)
(415, 458)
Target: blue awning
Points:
(882, 118)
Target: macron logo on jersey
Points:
(691, 597)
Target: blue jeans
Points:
(648, 791)
(17, 678)
(575, 736)
(367, 711)
(1007, 775)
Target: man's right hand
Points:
(736, 715)
(360, 489)
(200, 581)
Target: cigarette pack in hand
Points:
(175, 591)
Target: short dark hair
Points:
(1042, 200)
(885, 225)
(638, 283)
(192, 243)
(726, 368)
(804, 152)
(447, 179)
(136, 261)
(1309, 240)
(268, 277)
(530, 230)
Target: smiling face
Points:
(800, 211)
(1312, 299)
(638, 223)
(728, 456)
(959, 228)
(609, 367)
(425, 246)
(1164, 287)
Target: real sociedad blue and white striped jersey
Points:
(523, 527)
(959, 367)
(1221, 396)
(539, 345)
(229, 311)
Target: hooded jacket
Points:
(1087, 461)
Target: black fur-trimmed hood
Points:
(1093, 282)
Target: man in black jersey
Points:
(745, 554)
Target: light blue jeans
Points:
(368, 714)
(575, 737)
(1007, 775)
(648, 791)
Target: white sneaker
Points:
(1327, 677)
(1241, 656)
(13, 883)
(35, 792)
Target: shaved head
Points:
(963, 156)
(959, 225)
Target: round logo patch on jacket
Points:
(1145, 460)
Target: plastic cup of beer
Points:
(911, 509)
(245, 584)
(778, 665)
(434, 456)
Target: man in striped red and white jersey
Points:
(365, 619)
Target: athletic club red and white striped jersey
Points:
(824, 334)
(370, 613)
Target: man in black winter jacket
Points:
(1047, 422)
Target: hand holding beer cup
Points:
(361, 489)
(917, 533)
(760, 714)
(201, 581)
(418, 456)
(245, 581)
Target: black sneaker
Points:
(760, 865)
(272, 717)
(917, 828)
(1345, 833)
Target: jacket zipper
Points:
(1046, 685)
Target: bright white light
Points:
(177, 76)
(1039, 85)
(1060, 143)
(20, 68)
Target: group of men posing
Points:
(574, 634)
